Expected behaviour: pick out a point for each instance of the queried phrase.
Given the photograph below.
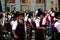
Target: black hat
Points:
(30, 14)
(57, 14)
(16, 15)
(21, 14)
(17, 12)
(39, 12)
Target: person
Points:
(29, 23)
(49, 20)
(39, 29)
(11, 24)
(18, 26)
(56, 26)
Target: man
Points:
(18, 27)
(29, 25)
(56, 26)
(39, 29)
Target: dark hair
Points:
(12, 12)
(17, 12)
(27, 13)
(57, 14)
(39, 12)
(21, 14)
(43, 14)
(16, 15)
(30, 14)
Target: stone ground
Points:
(33, 36)
(47, 38)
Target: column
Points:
(32, 5)
(17, 5)
(3, 4)
(57, 5)
(48, 4)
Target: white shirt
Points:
(25, 26)
(57, 26)
(34, 18)
(37, 22)
(26, 18)
(29, 20)
(14, 25)
(12, 22)
(9, 16)
(44, 21)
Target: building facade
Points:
(54, 4)
(30, 5)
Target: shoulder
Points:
(56, 24)
(26, 18)
(12, 22)
(37, 20)
(15, 22)
(44, 18)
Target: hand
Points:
(15, 36)
(43, 28)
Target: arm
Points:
(44, 23)
(37, 22)
(14, 29)
(15, 36)
(30, 22)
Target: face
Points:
(17, 18)
(58, 17)
(21, 17)
(41, 16)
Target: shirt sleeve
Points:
(25, 26)
(29, 20)
(11, 23)
(9, 16)
(26, 18)
(44, 21)
(58, 27)
(37, 22)
(49, 18)
(56, 24)
(14, 25)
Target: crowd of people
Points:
(21, 24)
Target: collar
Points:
(58, 20)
